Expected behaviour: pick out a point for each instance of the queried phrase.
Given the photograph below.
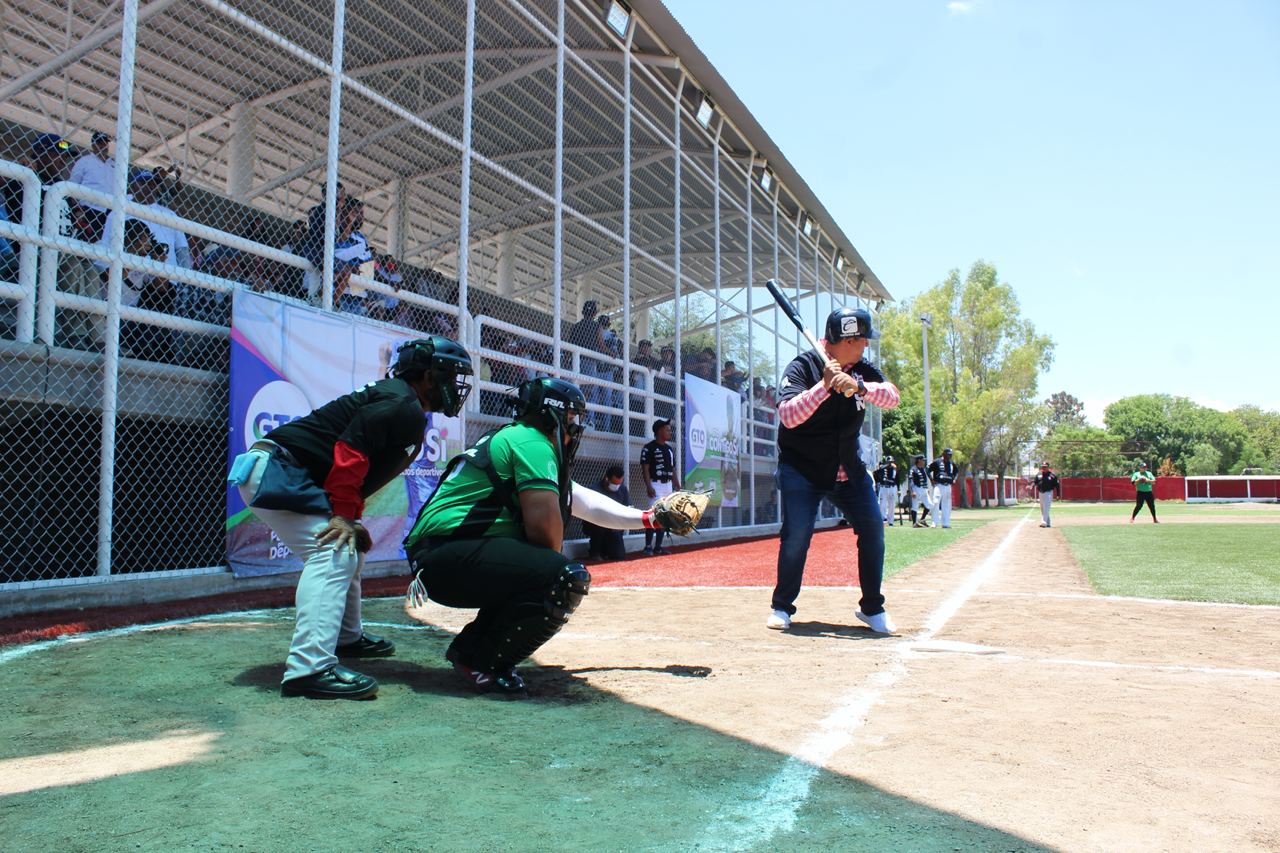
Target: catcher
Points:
(490, 536)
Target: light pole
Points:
(926, 322)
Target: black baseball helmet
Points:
(561, 403)
(449, 364)
(946, 451)
(888, 458)
(919, 457)
(845, 323)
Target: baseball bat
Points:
(794, 316)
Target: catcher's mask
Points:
(562, 407)
(449, 365)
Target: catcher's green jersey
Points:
(522, 457)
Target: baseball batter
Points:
(886, 478)
(918, 480)
(819, 456)
(1047, 485)
(943, 472)
(309, 480)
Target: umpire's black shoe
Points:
(336, 682)
(368, 646)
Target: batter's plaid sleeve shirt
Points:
(801, 407)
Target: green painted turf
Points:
(1193, 562)
(425, 766)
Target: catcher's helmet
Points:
(559, 401)
(845, 323)
(449, 364)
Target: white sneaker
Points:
(779, 620)
(880, 623)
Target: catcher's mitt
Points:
(680, 512)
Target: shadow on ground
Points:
(427, 766)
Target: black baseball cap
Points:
(946, 451)
(659, 424)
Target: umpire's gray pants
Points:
(1046, 498)
(328, 596)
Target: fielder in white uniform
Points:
(887, 489)
(918, 479)
(943, 473)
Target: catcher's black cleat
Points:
(368, 646)
(336, 682)
(507, 683)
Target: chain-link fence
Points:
(544, 181)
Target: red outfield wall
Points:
(1118, 489)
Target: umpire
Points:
(822, 403)
(309, 479)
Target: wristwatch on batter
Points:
(862, 389)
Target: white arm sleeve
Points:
(603, 511)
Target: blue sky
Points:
(1119, 163)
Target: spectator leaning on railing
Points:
(96, 169)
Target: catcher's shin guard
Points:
(530, 625)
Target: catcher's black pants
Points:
(496, 574)
(1147, 498)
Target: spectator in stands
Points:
(146, 291)
(603, 543)
(644, 356)
(96, 169)
(586, 333)
(383, 306)
(731, 377)
(505, 371)
(667, 361)
(609, 392)
(350, 252)
(704, 365)
(313, 247)
(47, 156)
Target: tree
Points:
(1252, 458)
(984, 359)
(1174, 426)
(1065, 410)
(1084, 451)
(1263, 431)
(1203, 459)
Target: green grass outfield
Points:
(1192, 562)
(904, 546)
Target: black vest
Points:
(829, 438)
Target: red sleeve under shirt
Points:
(350, 467)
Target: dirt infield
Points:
(1015, 710)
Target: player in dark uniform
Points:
(309, 479)
(818, 457)
(943, 472)
(658, 468)
(886, 478)
(919, 486)
(1047, 485)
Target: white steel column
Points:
(626, 258)
(715, 207)
(115, 287)
(241, 151)
(750, 440)
(331, 162)
(676, 306)
(506, 263)
(464, 192)
(397, 217)
(557, 263)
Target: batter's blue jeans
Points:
(856, 498)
